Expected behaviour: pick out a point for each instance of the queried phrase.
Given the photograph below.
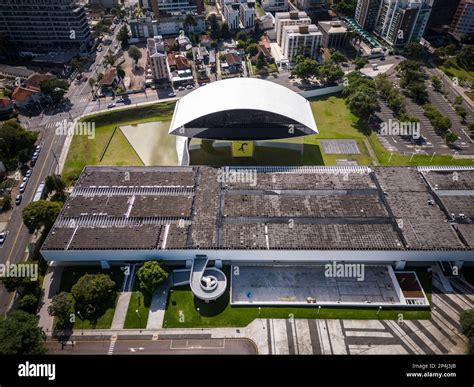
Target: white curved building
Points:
(243, 109)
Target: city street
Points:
(124, 346)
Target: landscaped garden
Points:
(109, 145)
(88, 315)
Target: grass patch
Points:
(181, 302)
(103, 320)
(451, 69)
(470, 95)
(270, 67)
(139, 301)
(85, 151)
(259, 10)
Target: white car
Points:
(181, 88)
(22, 187)
(190, 87)
(25, 180)
(172, 95)
(111, 105)
(28, 173)
(3, 236)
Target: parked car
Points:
(28, 173)
(3, 236)
(111, 105)
(18, 199)
(181, 88)
(120, 100)
(172, 95)
(25, 180)
(22, 187)
(32, 163)
(38, 148)
(190, 87)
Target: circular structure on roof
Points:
(243, 109)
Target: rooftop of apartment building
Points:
(294, 208)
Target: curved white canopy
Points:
(242, 93)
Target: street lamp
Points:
(380, 308)
(139, 320)
(82, 322)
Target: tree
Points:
(330, 73)
(214, 27)
(189, 22)
(123, 36)
(41, 213)
(261, 61)
(22, 285)
(466, 327)
(461, 111)
(305, 68)
(360, 62)
(54, 89)
(120, 72)
(15, 141)
(225, 31)
(337, 57)
(55, 184)
(6, 202)
(347, 7)
(92, 291)
(60, 307)
(28, 303)
(20, 335)
(413, 50)
(470, 126)
(135, 54)
(151, 275)
(437, 84)
(451, 137)
(252, 49)
(361, 95)
(92, 82)
(396, 102)
(110, 59)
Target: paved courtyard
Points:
(340, 147)
(295, 284)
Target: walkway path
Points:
(51, 282)
(158, 307)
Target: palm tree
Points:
(110, 59)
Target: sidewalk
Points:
(158, 307)
(121, 310)
(51, 282)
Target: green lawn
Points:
(181, 310)
(451, 69)
(271, 68)
(259, 10)
(104, 318)
(470, 94)
(139, 301)
(85, 151)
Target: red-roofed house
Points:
(6, 107)
(234, 61)
(182, 63)
(29, 92)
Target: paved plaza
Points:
(301, 284)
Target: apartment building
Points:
(293, 18)
(301, 39)
(157, 58)
(232, 15)
(366, 13)
(311, 5)
(402, 21)
(170, 6)
(463, 21)
(275, 5)
(247, 15)
(334, 34)
(46, 25)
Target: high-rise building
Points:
(442, 14)
(170, 6)
(463, 21)
(232, 15)
(334, 34)
(311, 5)
(46, 24)
(366, 13)
(292, 18)
(247, 15)
(275, 5)
(402, 21)
(157, 58)
(300, 39)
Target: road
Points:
(154, 347)
(14, 249)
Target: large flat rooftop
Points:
(266, 208)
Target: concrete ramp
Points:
(207, 284)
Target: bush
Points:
(92, 291)
(28, 303)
